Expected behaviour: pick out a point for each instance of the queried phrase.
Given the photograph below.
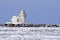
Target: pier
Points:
(30, 25)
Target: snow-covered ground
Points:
(29, 33)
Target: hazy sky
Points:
(37, 11)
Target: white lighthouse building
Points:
(20, 19)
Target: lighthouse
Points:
(22, 17)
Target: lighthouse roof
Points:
(22, 13)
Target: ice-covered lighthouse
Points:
(20, 19)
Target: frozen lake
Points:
(29, 33)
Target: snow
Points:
(29, 33)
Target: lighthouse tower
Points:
(22, 17)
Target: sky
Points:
(37, 11)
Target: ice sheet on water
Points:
(29, 33)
